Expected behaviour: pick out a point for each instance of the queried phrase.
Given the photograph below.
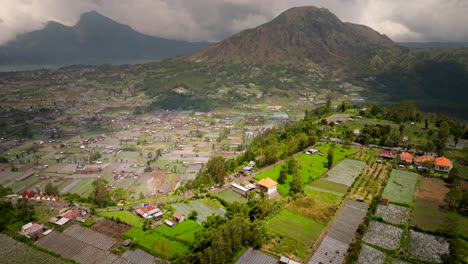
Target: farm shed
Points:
(72, 214)
(253, 256)
(169, 223)
(242, 190)
(32, 229)
(443, 164)
(178, 217)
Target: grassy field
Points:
(296, 226)
(84, 188)
(400, 187)
(330, 186)
(311, 166)
(231, 196)
(156, 243)
(124, 216)
(184, 231)
(323, 196)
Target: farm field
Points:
(184, 231)
(400, 187)
(110, 228)
(231, 196)
(296, 226)
(70, 247)
(429, 200)
(383, 235)
(204, 208)
(15, 252)
(345, 172)
(311, 166)
(340, 234)
(156, 243)
(371, 181)
(124, 216)
(332, 187)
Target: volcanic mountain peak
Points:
(302, 34)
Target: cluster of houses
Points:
(423, 162)
(67, 215)
(149, 211)
(38, 197)
(266, 185)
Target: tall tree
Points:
(100, 194)
(330, 158)
(51, 189)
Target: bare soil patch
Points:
(111, 228)
(432, 188)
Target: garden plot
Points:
(341, 234)
(428, 247)
(70, 247)
(392, 213)
(90, 237)
(399, 261)
(369, 255)
(400, 186)
(138, 256)
(231, 196)
(13, 251)
(383, 235)
(346, 172)
(203, 210)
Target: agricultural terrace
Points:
(166, 242)
(345, 172)
(400, 187)
(17, 252)
(204, 208)
(297, 230)
(311, 166)
(371, 181)
(123, 216)
(230, 196)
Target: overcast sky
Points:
(214, 20)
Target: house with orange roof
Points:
(443, 164)
(267, 185)
(406, 157)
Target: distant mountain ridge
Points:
(435, 45)
(94, 39)
(300, 35)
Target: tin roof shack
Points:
(32, 230)
(268, 186)
(253, 256)
(242, 190)
(442, 164)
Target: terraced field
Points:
(203, 209)
(14, 252)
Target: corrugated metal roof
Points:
(252, 256)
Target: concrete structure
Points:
(443, 164)
(268, 186)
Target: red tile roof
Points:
(145, 209)
(443, 161)
(72, 214)
(406, 155)
(267, 182)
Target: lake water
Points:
(31, 67)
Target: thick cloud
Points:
(212, 20)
